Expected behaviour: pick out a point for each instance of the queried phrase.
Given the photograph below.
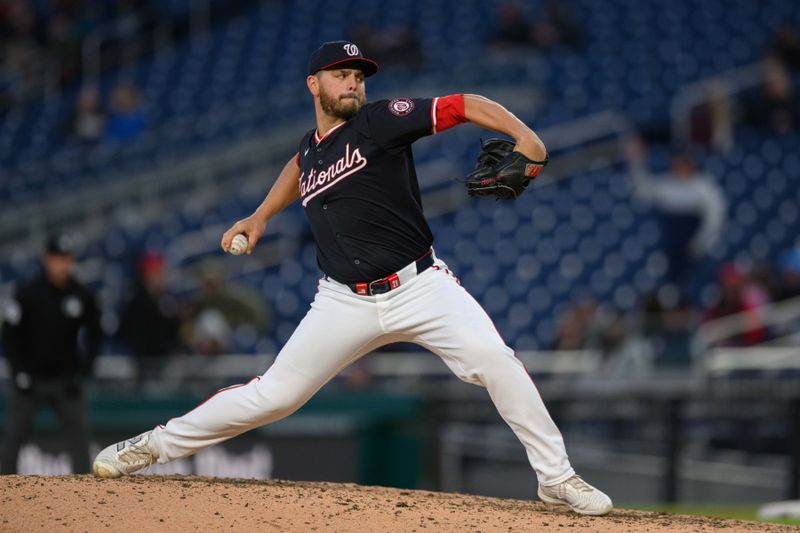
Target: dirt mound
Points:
(144, 503)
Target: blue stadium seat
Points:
(519, 259)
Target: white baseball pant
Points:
(432, 310)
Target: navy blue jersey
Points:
(360, 192)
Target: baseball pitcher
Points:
(354, 176)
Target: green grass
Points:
(736, 512)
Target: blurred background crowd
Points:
(661, 242)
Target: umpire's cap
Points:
(60, 244)
(340, 54)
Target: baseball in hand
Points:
(238, 244)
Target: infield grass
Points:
(735, 512)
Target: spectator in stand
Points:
(691, 206)
(22, 63)
(577, 327)
(588, 326)
(625, 353)
(89, 120)
(126, 118)
(614, 333)
(222, 311)
(786, 45)
(712, 122)
(764, 275)
(789, 285)
(739, 294)
(151, 317)
(556, 25)
(64, 35)
(774, 108)
(666, 325)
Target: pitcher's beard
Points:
(345, 108)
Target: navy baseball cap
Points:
(340, 54)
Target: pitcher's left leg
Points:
(448, 321)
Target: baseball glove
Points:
(501, 172)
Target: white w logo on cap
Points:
(351, 49)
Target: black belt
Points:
(384, 285)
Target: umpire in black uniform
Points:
(50, 335)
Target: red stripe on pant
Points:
(215, 394)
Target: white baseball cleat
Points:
(126, 457)
(577, 495)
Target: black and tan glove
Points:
(501, 172)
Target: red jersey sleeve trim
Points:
(297, 159)
(447, 111)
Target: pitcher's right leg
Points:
(336, 331)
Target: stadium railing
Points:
(779, 353)
(695, 94)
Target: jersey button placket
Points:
(340, 241)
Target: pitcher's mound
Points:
(145, 503)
